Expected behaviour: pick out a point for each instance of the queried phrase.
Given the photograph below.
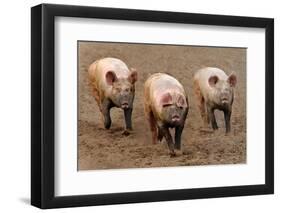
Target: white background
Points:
(15, 106)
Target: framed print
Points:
(140, 106)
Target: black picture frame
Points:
(43, 102)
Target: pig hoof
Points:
(215, 128)
(107, 125)
(126, 132)
(177, 147)
(178, 152)
(172, 154)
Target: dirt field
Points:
(99, 148)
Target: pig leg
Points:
(97, 97)
(128, 118)
(159, 134)
(169, 139)
(203, 111)
(178, 133)
(212, 118)
(152, 122)
(106, 106)
(96, 94)
(207, 120)
(153, 127)
(201, 103)
(128, 121)
(227, 115)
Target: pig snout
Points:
(176, 120)
(173, 115)
(125, 105)
(123, 94)
(225, 97)
(126, 100)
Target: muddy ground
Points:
(107, 149)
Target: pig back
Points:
(159, 84)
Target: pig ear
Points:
(181, 102)
(133, 77)
(110, 77)
(232, 80)
(166, 99)
(213, 80)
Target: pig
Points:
(214, 91)
(165, 107)
(113, 85)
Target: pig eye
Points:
(167, 105)
(127, 90)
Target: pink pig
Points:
(166, 106)
(214, 90)
(113, 85)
